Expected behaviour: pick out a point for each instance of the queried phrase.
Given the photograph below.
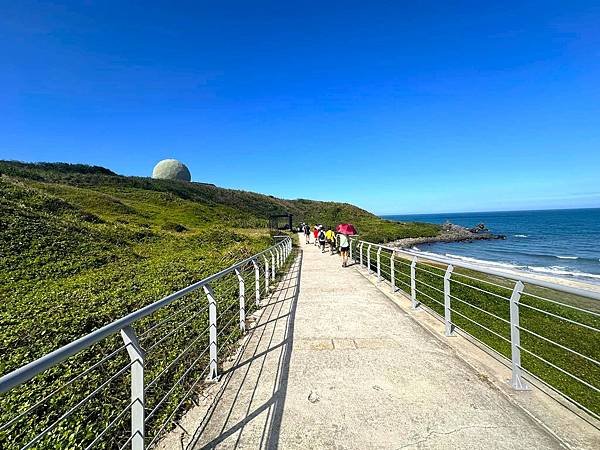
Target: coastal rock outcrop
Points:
(451, 232)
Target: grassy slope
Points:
(81, 246)
(74, 258)
(227, 204)
(94, 245)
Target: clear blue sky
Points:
(436, 107)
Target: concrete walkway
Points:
(332, 363)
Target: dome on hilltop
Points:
(171, 169)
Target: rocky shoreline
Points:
(450, 233)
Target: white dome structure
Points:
(171, 169)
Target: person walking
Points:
(316, 234)
(330, 236)
(322, 240)
(344, 244)
(306, 230)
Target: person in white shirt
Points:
(344, 245)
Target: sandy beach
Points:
(550, 279)
(510, 273)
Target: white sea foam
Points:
(521, 235)
(567, 257)
(554, 271)
(484, 262)
(560, 270)
(423, 254)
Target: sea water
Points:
(563, 243)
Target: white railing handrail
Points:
(483, 269)
(514, 303)
(30, 370)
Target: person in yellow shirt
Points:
(330, 236)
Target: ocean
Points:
(563, 243)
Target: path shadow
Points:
(244, 405)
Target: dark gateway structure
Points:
(274, 221)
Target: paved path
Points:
(332, 363)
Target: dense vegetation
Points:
(74, 259)
(473, 309)
(81, 246)
(145, 201)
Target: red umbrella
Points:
(346, 228)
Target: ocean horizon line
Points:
(558, 242)
(488, 212)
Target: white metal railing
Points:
(501, 328)
(37, 417)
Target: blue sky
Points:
(397, 107)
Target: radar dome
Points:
(171, 169)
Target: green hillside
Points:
(82, 246)
(148, 202)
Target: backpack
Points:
(321, 235)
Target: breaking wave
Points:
(484, 262)
(562, 271)
(553, 270)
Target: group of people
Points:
(326, 236)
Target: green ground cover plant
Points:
(74, 258)
(81, 246)
(473, 309)
(142, 201)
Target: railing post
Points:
(351, 257)
(361, 252)
(242, 297)
(447, 312)
(257, 281)
(379, 264)
(515, 339)
(277, 258)
(136, 355)
(267, 274)
(273, 268)
(369, 259)
(413, 282)
(392, 272)
(213, 373)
